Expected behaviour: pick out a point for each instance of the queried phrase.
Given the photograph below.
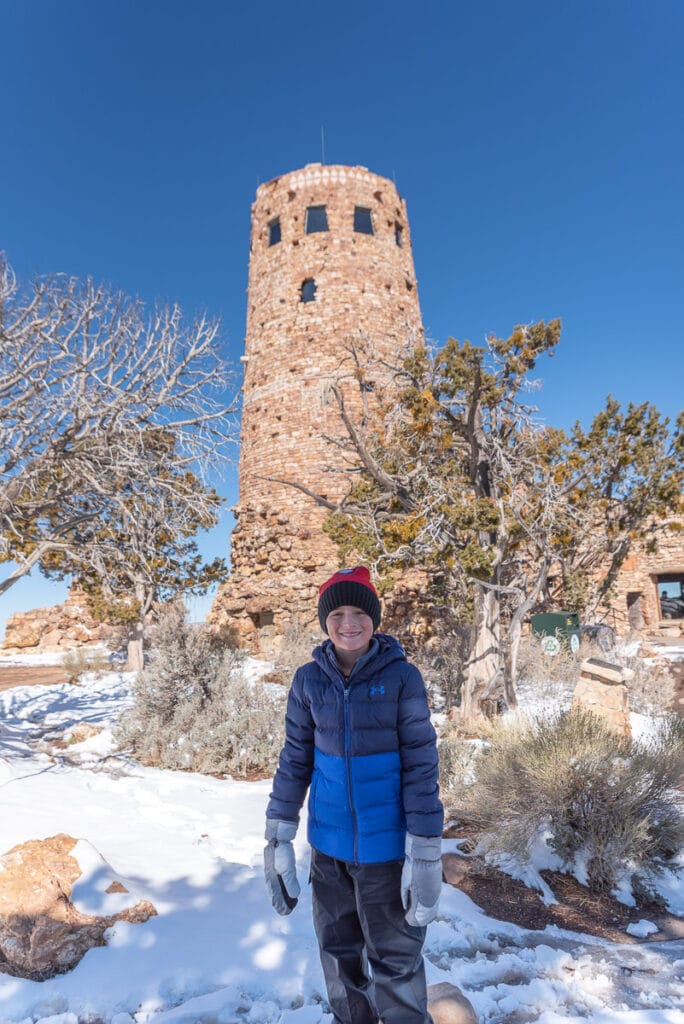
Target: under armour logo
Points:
(375, 690)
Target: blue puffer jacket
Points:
(368, 751)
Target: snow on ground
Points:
(35, 659)
(217, 952)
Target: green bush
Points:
(194, 709)
(605, 804)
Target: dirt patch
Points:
(578, 910)
(30, 675)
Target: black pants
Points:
(372, 959)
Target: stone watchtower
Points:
(330, 261)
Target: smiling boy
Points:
(359, 738)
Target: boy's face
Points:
(350, 629)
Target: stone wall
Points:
(365, 290)
(635, 605)
(55, 630)
(602, 690)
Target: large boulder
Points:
(448, 1005)
(57, 899)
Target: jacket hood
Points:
(384, 649)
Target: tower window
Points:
(307, 292)
(363, 222)
(316, 219)
(398, 234)
(274, 235)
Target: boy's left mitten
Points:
(280, 866)
(421, 879)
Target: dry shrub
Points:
(605, 804)
(457, 762)
(550, 677)
(79, 661)
(194, 709)
(650, 683)
(441, 660)
(651, 688)
(296, 646)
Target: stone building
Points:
(330, 262)
(649, 590)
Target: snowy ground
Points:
(217, 952)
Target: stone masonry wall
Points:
(365, 290)
(55, 630)
(636, 606)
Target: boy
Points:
(359, 737)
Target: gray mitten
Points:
(279, 865)
(421, 879)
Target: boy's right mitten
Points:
(421, 879)
(279, 865)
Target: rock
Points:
(83, 731)
(454, 868)
(42, 932)
(51, 638)
(24, 637)
(448, 1005)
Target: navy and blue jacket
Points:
(366, 748)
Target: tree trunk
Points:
(515, 631)
(136, 657)
(513, 646)
(136, 653)
(484, 676)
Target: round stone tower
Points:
(330, 262)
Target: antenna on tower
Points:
(322, 144)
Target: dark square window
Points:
(671, 595)
(274, 235)
(308, 290)
(398, 234)
(363, 222)
(316, 219)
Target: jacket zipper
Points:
(347, 755)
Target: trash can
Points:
(556, 628)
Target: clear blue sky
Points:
(539, 145)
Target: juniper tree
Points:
(456, 475)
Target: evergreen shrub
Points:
(195, 709)
(608, 806)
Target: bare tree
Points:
(85, 374)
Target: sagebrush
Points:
(194, 708)
(608, 806)
(294, 649)
(457, 764)
(441, 660)
(79, 661)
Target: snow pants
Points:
(372, 959)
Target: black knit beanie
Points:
(352, 587)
